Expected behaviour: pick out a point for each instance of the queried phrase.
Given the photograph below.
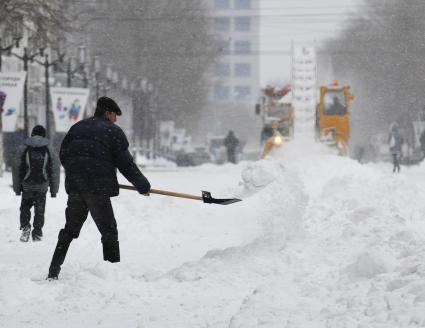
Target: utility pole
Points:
(27, 58)
(73, 68)
(96, 64)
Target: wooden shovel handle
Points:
(164, 192)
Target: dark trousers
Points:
(231, 156)
(30, 199)
(78, 207)
(100, 208)
(396, 162)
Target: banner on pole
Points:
(12, 87)
(68, 105)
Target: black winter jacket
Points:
(90, 153)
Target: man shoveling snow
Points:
(90, 153)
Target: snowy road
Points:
(319, 241)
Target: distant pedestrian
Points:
(231, 143)
(422, 141)
(90, 153)
(359, 153)
(395, 140)
(36, 168)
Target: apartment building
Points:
(235, 78)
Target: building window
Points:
(242, 24)
(221, 4)
(242, 4)
(242, 47)
(242, 70)
(222, 24)
(242, 92)
(222, 70)
(221, 92)
(225, 47)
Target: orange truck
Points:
(333, 116)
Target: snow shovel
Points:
(206, 196)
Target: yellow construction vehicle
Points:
(333, 116)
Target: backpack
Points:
(36, 161)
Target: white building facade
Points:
(235, 78)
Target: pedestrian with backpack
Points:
(36, 169)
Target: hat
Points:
(38, 130)
(105, 104)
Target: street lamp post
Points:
(47, 65)
(151, 110)
(96, 64)
(111, 80)
(27, 58)
(136, 96)
(134, 102)
(74, 68)
(142, 120)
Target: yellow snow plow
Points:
(333, 116)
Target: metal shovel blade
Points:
(207, 198)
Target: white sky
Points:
(304, 22)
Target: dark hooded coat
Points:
(36, 155)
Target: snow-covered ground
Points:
(318, 241)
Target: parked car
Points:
(217, 149)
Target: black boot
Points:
(111, 251)
(59, 255)
(37, 234)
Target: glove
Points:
(18, 193)
(53, 195)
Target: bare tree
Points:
(380, 54)
(47, 19)
(166, 42)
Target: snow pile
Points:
(367, 265)
(318, 241)
(261, 173)
(360, 264)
